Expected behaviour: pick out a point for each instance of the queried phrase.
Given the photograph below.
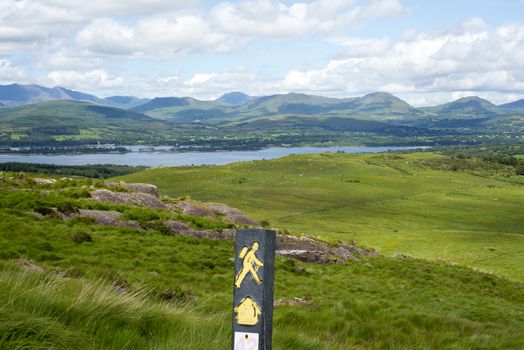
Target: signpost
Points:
(253, 289)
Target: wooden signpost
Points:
(253, 289)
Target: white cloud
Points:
(275, 19)
(122, 8)
(212, 85)
(471, 59)
(60, 58)
(107, 36)
(227, 26)
(97, 79)
(154, 37)
(10, 74)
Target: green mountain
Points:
(125, 102)
(80, 121)
(183, 109)
(517, 106)
(235, 98)
(17, 95)
(466, 108)
(324, 124)
(377, 106)
(240, 107)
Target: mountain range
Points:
(15, 95)
(36, 112)
(379, 105)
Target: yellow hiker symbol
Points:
(247, 312)
(251, 264)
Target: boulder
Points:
(127, 198)
(313, 251)
(194, 209)
(42, 181)
(28, 265)
(231, 214)
(293, 301)
(134, 187)
(181, 228)
(214, 211)
(141, 188)
(103, 217)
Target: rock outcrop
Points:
(181, 228)
(103, 217)
(42, 181)
(313, 251)
(135, 187)
(301, 248)
(194, 209)
(128, 198)
(214, 211)
(231, 214)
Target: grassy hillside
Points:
(464, 211)
(517, 106)
(128, 288)
(71, 120)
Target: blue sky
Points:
(426, 52)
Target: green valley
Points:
(464, 211)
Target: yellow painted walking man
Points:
(251, 264)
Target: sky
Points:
(426, 52)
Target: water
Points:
(163, 158)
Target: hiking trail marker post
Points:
(253, 289)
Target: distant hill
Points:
(126, 102)
(80, 121)
(235, 99)
(517, 106)
(333, 124)
(183, 109)
(468, 113)
(377, 106)
(17, 95)
(467, 107)
(162, 102)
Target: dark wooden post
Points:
(253, 289)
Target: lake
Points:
(163, 158)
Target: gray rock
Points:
(293, 301)
(181, 228)
(135, 187)
(104, 217)
(141, 188)
(42, 181)
(231, 214)
(194, 209)
(134, 199)
(28, 265)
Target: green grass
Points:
(179, 295)
(140, 289)
(62, 313)
(463, 211)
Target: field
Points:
(76, 284)
(178, 295)
(462, 211)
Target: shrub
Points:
(80, 237)
(43, 210)
(66, 207)
(519, 170)
(264, 223)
